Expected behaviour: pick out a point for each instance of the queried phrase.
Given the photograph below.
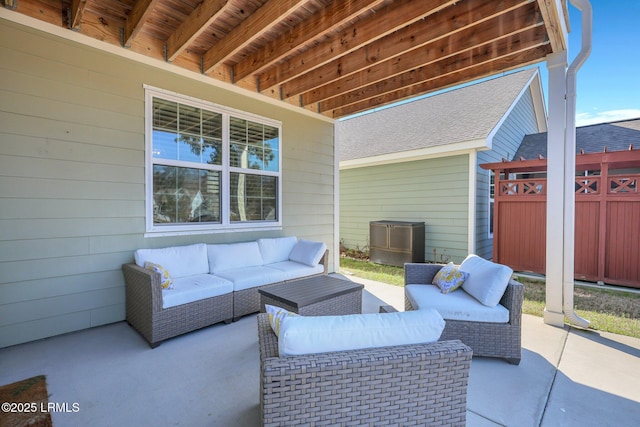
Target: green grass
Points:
(608, 310)
(368, 270)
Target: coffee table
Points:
(315, 296)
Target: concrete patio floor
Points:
(567, 376)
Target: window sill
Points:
(230, 229)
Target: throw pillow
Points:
(307, 252)
(449, 278)
(276, 316)
(165, 278)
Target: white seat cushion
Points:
(295, 270)
(251, 277)
(320, 334)
(276, 249)
(179, 261)
(487, 280)
(193, 288)
(457, 305)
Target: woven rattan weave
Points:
(408, 385)
(502, 340)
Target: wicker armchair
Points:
(420, 384)
(502, 340)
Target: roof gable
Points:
(467, 114)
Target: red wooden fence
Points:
(607, 217)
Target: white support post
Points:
(557, 67)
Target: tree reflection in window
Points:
(186, 134)
(188, 169)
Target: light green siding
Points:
(434, 191)
(72, 175)
(519, 122)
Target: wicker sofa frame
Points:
(409, 385)
(500, 340)
(145, 313)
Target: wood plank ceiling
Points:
(337, 57)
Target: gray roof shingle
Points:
(616, 136)
(465, 114)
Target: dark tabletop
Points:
(303, 292)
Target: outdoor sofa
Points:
(492, 328)
(184, 288)
(403, 376)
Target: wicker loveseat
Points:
(417, 384)
(489, 339)
(212, 283)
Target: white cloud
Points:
(584, 119)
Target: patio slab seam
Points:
(555, 375)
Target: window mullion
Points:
(226, 176)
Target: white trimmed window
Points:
(209, 168)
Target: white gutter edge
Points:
(570, 166)
(445, 150)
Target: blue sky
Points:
(608, 83)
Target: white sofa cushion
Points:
(251, 277)
(276, 249)
(179, 261)
(457, 305)
(487, 280)
(295, 270)
(194, 288)
(308, 252)
(229, 256)
(320, 334)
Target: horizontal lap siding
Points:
(434, 191)
(72, 206)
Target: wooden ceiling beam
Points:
(139, 14)
(500, 65)
(385, 21)
(77, 10)
(557, 25)
(424, 42)
(264, 18)
(318, 25)
(198, 22)
(481, 54)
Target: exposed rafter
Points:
(198, 22)
(77, 10)
(321, 23)
(385, 21)
(412, 47)
(266, 17)
(328, 56)
(140, 13)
